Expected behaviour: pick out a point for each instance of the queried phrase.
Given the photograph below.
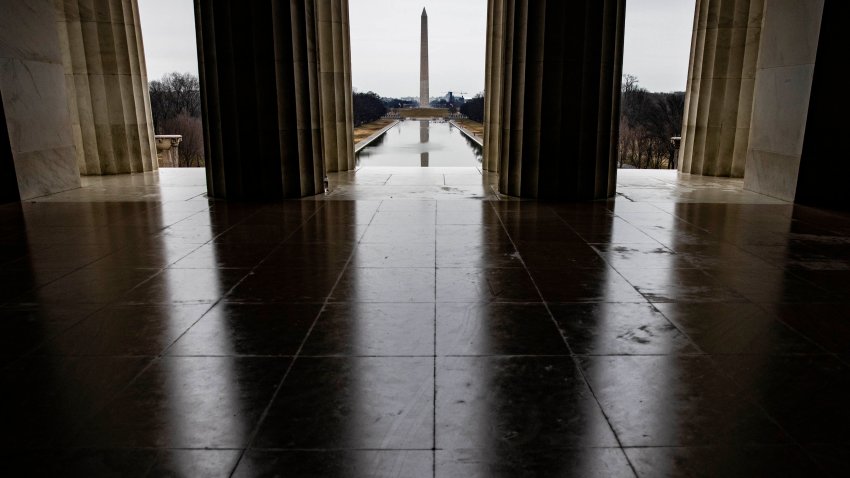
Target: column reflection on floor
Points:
(425, 337)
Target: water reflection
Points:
(424, 134)
(421, 143)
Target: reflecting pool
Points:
(421, 143)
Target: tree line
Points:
(648, 121)
(176, 109)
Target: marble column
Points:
(106, 80)
(493, 84)
(335, 84)
(40, 155)
(559, 103)
(261, 98)
(721, 79)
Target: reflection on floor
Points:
(684, 328)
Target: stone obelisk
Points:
(424, 98)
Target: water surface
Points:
(421, 144)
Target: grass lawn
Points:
(365, 130)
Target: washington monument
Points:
(424, 98)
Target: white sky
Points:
(385, 43)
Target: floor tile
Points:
(831, 458)
(619, 329)
(641, 256)
(285, 285)
(824, 324)
(746, 461)
(400, 233)
(205, 463)
(676, 401)
(497, 329)
(349, 463)
(584, 285)
(516, 402)
(84, 462)
(379, 329)
(176, 286)
(47, 398)
(385, 285)
(353, 402)
(188, 402)
(476, 255)
(249, 329)
(145, 330)
(485, 285)
(126, 330)
(735, 329)
(91, 285)
(501, 461)
(481, 233)
(555, 255)
(806, 395)
(679, 285)
(221, 256)
(25, 327)
(309, 256)
(394, 255)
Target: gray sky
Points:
(385, 43)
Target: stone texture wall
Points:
(107, 85)
(783, 85)
(32, 84)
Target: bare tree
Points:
(175, 94)
(647, 123)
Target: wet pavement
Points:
(684, 328)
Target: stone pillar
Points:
(107, 85)
(783, 86)
(335, 84)
(721, 78)
(560, 97)
(40, 155)
(168, 150)
(261, 98)
(493, 84)
(424, 94)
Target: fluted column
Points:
(721, 80)
(556, 123)
(335, 84)
(493, 83)
(261, 98)
(107, 85)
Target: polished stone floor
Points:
(684, 328)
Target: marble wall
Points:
(32, 83)
(783, 84)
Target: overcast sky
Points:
(385, 43)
